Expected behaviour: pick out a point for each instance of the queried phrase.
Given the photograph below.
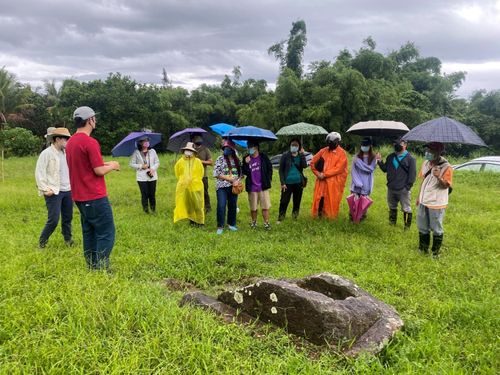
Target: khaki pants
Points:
(262, 197)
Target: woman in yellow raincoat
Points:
(189, 198)
(331, 175)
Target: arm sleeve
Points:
(382, 165)
(218, 168)
(448, 176)
(134, 163)
(155, 160)
(303, 161)
(269, 168)
(245, 168)
(282, 169)
(412, 172)
(94, 155)
(209, 154)
(314, 160)
(41, 172)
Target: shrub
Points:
(19, 142)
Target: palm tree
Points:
(11, 101)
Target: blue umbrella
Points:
(444, 130)
(128, 145)
(222, 129)
(252, 133)
(178, 140)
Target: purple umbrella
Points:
(128, 145)
(178, 140)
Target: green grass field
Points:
(58, 317)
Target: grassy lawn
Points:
(57, 317)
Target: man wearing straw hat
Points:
(52, 179)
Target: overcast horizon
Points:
(201, 41)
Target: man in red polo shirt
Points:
(86, 173)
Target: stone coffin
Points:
(323, 308)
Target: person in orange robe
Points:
(331, 176)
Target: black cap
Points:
(366, 142)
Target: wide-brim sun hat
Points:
(50, 130)
(59, 132)
(189, 146)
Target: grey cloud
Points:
(198, 40)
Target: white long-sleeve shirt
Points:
(51, 172)
(151, 159)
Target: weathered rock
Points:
(323, 308)
(228, 313)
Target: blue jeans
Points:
(98, 230)
(60, 205)
(225, 197)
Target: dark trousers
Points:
(208, 207)
(98, 230)
(60, 205)
(148, 194)
(226, 198)
(294, 190)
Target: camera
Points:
(150, 174)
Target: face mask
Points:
(188, 153)
(333, 145)
(398, 148)
(251, 150)
(145, 145)
(294, 149)
(428, 155)
(365, 148)
(228, 151)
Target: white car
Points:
(483, 164)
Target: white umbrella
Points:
(379, 128)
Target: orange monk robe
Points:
(332, 187)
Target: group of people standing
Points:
(72, 169)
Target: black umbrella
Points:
(444, 130)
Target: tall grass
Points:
(57, 317)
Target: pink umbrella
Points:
(358, 205)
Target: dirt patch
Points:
(176, 285)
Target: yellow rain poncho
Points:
(189, 201)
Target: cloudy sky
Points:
(198, 41)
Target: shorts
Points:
(262, 197)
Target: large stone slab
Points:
(323, 308)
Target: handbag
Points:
(237, 187)
(320, 164)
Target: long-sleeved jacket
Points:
(138, 159)
(47, 171)
(266, 169)
(404, 176)
(286, 164)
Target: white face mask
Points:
(188, 153)
(294, 149)
(365, 148)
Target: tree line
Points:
(356, 85)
